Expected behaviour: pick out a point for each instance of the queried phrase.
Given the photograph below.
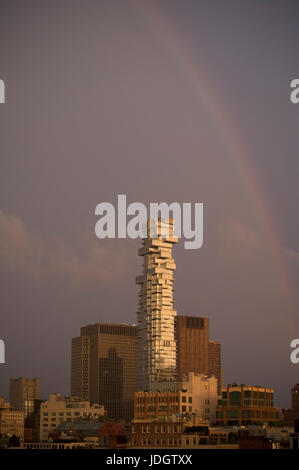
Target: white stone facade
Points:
(156, 314)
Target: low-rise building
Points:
(113, 435)
(197, 395)
(11, 421)
(82, 427)
(243, 405)
(177, 433)
(153, 433)
(58, 409)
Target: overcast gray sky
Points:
(162, 101)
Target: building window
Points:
(235, 398)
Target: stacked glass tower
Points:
(156, 315)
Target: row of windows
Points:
(144, 400)
(70, 413)
(236, 414)
(118, 330)
(160, 399)
(194, 322)
(161, 408)
(163, 428)
(67, 413)
(236, 395)
(158, 442)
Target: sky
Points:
(164, 101)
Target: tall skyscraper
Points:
(22, 393)
(192, 335)
(156, 315)
(215, 363)
(103, 367)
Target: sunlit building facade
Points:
(244, 405)
(156, 314)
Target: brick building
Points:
(244, 405)
(192, 336)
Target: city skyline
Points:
(161, 101)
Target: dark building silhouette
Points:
(103, 368)
(22, 394)
(292, 414)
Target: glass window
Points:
(235, 398)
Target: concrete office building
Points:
(156, 314)
(103, 367)
(23, 392)
(59, 409)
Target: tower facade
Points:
(215, 363)
(192, 335)
(22, 394)
(103, 367)
(156, 315)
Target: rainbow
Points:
(231, 137)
